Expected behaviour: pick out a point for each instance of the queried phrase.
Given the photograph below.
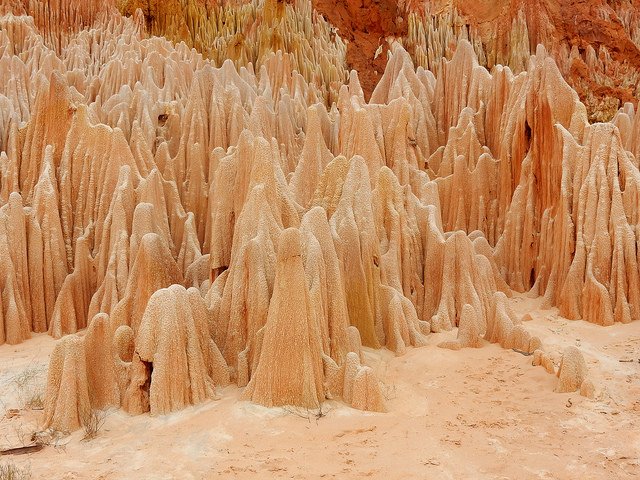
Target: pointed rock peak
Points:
(289, 370)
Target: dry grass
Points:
(387, 386)
(9, 471)
(29, 386)
(306, 413)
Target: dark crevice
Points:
(146, 387)
(532, 277)
(527, 135)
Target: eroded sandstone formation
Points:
(182, 223)
(572, 373)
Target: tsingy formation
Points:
(181, 225)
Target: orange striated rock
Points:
(174, 340)
(595, 44)
(542, 359)
(469, 331)
(67, 403)
(248, 31)
(56, 18)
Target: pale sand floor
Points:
(477, 413)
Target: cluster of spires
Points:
(601, 62)
(182, 226)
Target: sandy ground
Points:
(477, 413)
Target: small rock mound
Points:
(469, 331)
(572, 373)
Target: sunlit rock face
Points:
(182, 222)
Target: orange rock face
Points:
(56, 18)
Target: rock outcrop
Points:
(572, 373)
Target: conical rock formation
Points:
(289, 370)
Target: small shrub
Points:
(388, 391)
(93, 423)
(50, 437)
